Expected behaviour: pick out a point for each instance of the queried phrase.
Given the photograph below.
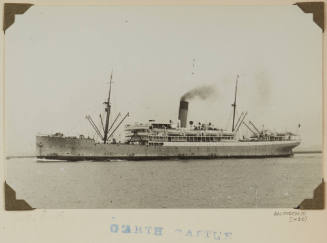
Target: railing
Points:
(189, 138)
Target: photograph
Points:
(163, 106)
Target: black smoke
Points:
(202, 92)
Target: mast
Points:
(107, 110)
(234, 104)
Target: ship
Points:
(155, 140)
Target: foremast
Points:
(108, 132)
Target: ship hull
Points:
(76, 149)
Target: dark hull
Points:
(142, 158)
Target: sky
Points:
(59, 60)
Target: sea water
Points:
(223, 183)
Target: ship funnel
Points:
(182, 114)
